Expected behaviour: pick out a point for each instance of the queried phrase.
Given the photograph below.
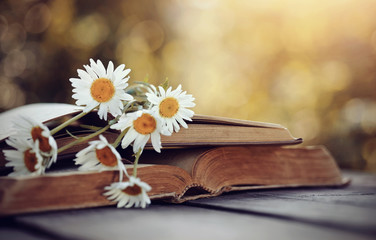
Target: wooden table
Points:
(304, 213)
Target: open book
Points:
(202, 131)
(214, 155)
(176, 176)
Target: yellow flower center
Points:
(102, 90)
(30, 160)
(133, 191)
(145, 124)
(36, 134)
(168, 107)
(106, 156)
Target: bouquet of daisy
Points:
(140, 112)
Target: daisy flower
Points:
(27, 128)
(142, 125)
(26, 159)
(100, 87)
(127, 194)
(171, 106)
(100, 156)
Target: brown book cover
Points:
(214, 155)
(202, 131)
(177, 175)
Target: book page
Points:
(198, 118)
(74, 189)
(244, 166)
(182, 158)
(39, 112)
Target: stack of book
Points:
(213, 156)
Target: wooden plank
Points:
(167, 221)
(352, 208)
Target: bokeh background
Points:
(308, 65)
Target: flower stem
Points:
(138, 154)
(66, 123)
(119, 138)
(82, 139)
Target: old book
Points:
(202, 131)
(178, 175)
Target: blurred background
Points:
(308, 65)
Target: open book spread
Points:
(214, 155)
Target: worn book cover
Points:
(212, 156)
(177, 175)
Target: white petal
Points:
(84, 75)
(176, 126)
(162, 91)
(110, 70)
(152, 98)
(140, 142)
(168, 91)
(90, 71)
(156, 141)
(128, 138)
(186, 113)
(98, 71)
(102, 112)
(118, 70)
(90, 106)
(181, 121)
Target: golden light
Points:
(309, 65)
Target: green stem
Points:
(138, 154)
(66, 123)
(119, 138)
(82, 139)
